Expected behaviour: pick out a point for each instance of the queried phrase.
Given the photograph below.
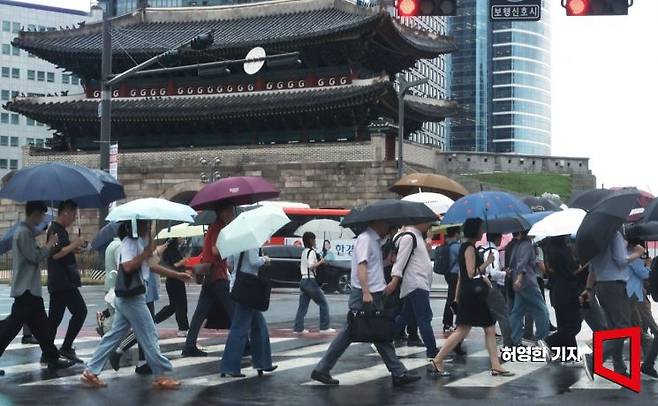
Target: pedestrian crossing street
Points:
(295, 356)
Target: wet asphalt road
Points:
(364, 379)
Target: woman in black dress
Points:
(472, 311)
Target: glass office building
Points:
(501, 78)
(23, 74)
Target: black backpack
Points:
(442, 263)
(653, 280)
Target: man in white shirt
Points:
(414, 267)
(368, 286)
(496, 298)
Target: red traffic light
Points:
(596, 7)
(577, 7)
(415, 8)
(407, 8)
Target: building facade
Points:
(501, 78)
(24, 74)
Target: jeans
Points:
(177, 304)
(529, 300)
(310, 290)
(67, 299)
(569, 322)
(343, 340)
(217, 291)
(417, 306)
(131, 312)
(131, 339)
(448, 316)
(617, 308)
(498, 307)
(246, 322)
(29, 310)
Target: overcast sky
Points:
(605, 91)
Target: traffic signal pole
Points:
(106, 99)
(404, 86)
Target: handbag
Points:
(370, 325)
(128, 284)
(202, 273)
(251, 290)
(480, 288)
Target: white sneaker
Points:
(301, 332)
(328, 331)
(181, 333)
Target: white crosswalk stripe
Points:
(373, 373)
(58, 342)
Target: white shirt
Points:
(308, 260)
(368, 249)
(130, 248)
(418, 274)
(494, 270)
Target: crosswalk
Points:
(296, 357)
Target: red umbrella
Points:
(237, 190)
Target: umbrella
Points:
(645, 231)
(152, 209)
(250, 229)
(237, 190)
(181, 231)
(643, 201)
(564, 222)
(205, 218)
(325, 229)
(651, 211)
(429, 182)
(104, 236)
(534, 218)
(55, 181)
(437, 202)
(507, 225)
(395, 212)
(6, 240)
(485, 205)
(539, 204)
(588, 199)
(602, 222)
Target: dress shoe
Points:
(194, 352)
(60, 363)
(323, 378)
(29, 340)
(143, 370)
(70, 354)
(232, 375)
(405, 379)
(270, 369)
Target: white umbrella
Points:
(251, 229)
(565, 222)
(152, 209)
(437, 202)
(326, 229)
(180, 231)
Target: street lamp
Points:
(404, 86)
(215, 175)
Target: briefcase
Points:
(370, 325)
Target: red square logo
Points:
(633, 333)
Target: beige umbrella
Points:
(429, 182)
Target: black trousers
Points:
(29, 309)
(568, 325)
(60, 301)
(177, 304)
(448, 316)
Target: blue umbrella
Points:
(485, 205)
(112, 191)
(6, 240)
(52, 182)
(104, 236)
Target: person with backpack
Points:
(310, 289)
(446, 264)
(414, 267)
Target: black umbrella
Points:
(645, 231)
(540, 203)
(651, 212)
(588, 199)
(507, 225)
(394, 212)
(602, 222)
(205, 218)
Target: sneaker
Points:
(143, 370)
(181, 333)
(328, 331)
(115, 360)
(324, 378)
(649, 371)
(588, 365)
(70, 354)
(301, 332)
(29, 339)
(194, 352)
(547, 351)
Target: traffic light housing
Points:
(596, 7)
(417, 8)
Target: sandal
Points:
(437, 371)
(91, 380)
(498, 372)
(166, 383)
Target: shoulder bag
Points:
(251, 290)
(128, 284)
